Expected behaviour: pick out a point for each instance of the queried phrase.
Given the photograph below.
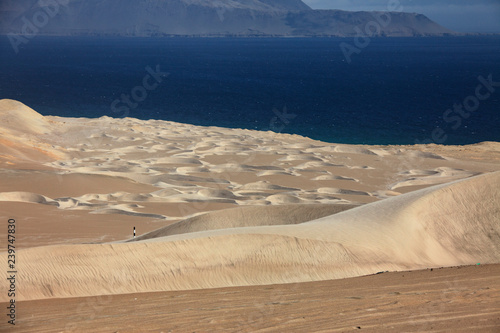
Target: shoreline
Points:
(271, 132)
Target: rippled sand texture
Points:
(218, 208)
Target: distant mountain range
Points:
(203, 18)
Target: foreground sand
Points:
(460, 299)
(219, 208)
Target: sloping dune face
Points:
(21, 119)
(20, 131)
(250, 216)
(443, 225)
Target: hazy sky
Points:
(458, 15)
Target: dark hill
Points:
(199, 18)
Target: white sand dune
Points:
(247, 217)
(352, 150)
(436, 176)
(333, 177)
(283, 199)
(444, 225)
(70, 180)
(19, 119)
(265, 185)
(26, 197)
(330, 190)
(256, 167)
(20, 132)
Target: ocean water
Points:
(394, 91)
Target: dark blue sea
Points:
(393, 91)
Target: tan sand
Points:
(459, 299)
(219, 207)
(248, 216)
(163, 172)
(433, 227)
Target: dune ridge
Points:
(247, 216)
(198, 168)
(22, 129)
(217, 207)
(444, 225)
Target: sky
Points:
(458, 15)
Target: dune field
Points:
(229, 211)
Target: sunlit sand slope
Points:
(248, 216)
(445, 225)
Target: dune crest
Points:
(20, 130)
(21, 119)
(221, 207)
(247, 216)
(444, 225)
